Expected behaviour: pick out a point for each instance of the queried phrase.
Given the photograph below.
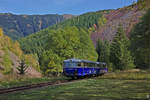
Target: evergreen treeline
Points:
(103, 51)
(120, 55)
(123, 53)
(117, 54)
(140, 42)
(86, 20)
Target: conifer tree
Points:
(103, 51)
(120, 56)
(99, 50)
(22, 67)
(140, 42)
(107, 52)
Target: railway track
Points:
(32, 86)
(39, 85)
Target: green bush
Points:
(7, 63)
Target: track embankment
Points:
(32, 86)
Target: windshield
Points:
(70, 64)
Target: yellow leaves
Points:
(16, 49)
(31, 61)
(91, 29)
(53, 67)
(1, 32)
(6, 42)
(102, 21)
(51, 64)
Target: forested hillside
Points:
(125, 53)
(88, 20)
(37, 42)
(11, 56)
(69, 39)
(127, 17)
(17, 26)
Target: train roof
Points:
(86, 61)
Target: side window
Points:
(91, 65)
(99, 65)
(95, 65)
(105, 65)
(86, 64)
(68, 64)
(79, 64)
(74, 64)
(82, 64)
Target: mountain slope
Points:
(127, 17)
(69, 39)
(36, 43)
(101, 24)
(10, 56)
(17, 26)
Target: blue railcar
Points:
(81, 68)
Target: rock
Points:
(31, 72)
(2, 67)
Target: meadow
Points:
(28, 81)
(112, 86)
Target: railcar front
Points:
(70, 68)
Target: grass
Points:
(112, 86)
(21, 82)
(128, 75)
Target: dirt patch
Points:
(133, 70)
(31, 72)
(1, 76)
(2, 67)
(1, 53)
(15, 60)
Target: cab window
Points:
(70, 64)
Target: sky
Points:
(75, 7)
